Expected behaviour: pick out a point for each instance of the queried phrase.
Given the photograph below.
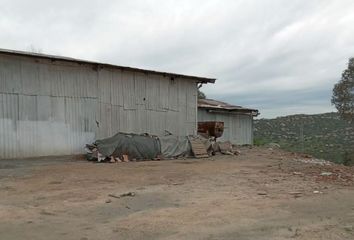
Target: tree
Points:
(201, 95)
(343, 94)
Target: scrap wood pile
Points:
(124, 147)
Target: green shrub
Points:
(348, 158)
(259, 142)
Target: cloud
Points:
(278, 56)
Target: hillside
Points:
(325, 135)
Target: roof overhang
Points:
(215, 106)
(244, 111)
(80, 61)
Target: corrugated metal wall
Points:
(238, 128)
(56, 107)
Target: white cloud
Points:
(254, 48)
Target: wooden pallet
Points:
(198, 148)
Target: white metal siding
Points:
(56, 107)
(237, 127)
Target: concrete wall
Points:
(238, 128)
(56, 107)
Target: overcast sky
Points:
(279, 56)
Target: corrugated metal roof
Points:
(69, 59)
(218, 105)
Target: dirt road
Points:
(260, 194)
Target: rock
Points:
(108, 201)
(112, 160)
(296, 194)
(125, 158)
(326, 173)
(177, 183)
(273, 145)
(348, 228)
(237, 152)
(228, 153)
(112, 195)
(262, 193)
(100, 157)
(128, 194)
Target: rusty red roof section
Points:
(218, 105)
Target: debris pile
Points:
(325, 171)
(226, 148)
(314, 161)
(337, 174)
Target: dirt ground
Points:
(260, 194)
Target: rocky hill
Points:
(325, 135)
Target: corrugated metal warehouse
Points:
(52, 105)
(238, 121)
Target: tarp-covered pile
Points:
(174, 146)
(133, 147)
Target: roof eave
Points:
(69, 59)
(228, 110)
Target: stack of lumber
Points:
(198, 148)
